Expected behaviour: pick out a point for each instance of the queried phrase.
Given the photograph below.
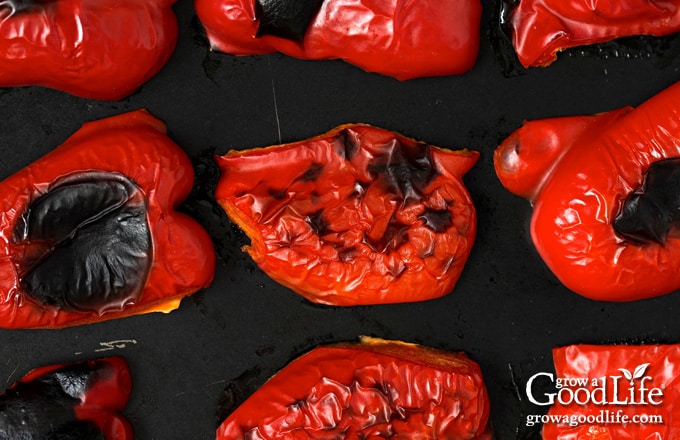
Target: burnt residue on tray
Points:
(212, 61)
(202, 206)
(499, 33)
(236, 392)
(244, 385)
(663, 49)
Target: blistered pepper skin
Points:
(99, 49)
(404, 39)
(69, 401)
(658, 364)
(539, 29)
(356, 216)
(373, 389)
(578, 172)
(140, 237)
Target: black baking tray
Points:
(507, 312)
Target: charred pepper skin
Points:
(406, 39)
(90, 232)
(656, 366)
(372, 389)
(98, 49)
(540, 29)
(284, 18)
(92, 242)
(357, 216)
(650, 213)
(579, 172)
(69, 402)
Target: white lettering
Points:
(609, 390)
(530, 394)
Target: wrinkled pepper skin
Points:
(69, 402)
(403, 39)
(539, 29)
(579, 172)
(89, 231)
(356, 216)
(372, 389)
(99, 49)
(649, 366)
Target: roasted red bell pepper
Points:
(403, 39)
(613, 392)
(69, 401)
(604, 193)
(101, 49)
(372, 389)
(89, 231)
(539, 29)
(359, 215)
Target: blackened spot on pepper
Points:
(58, 213)
(17, 6)
(93, 243)
(651, 211)
(346, 144)
(312, 173)
(278, 194)
(318, 223)
(348, 255)
(285, 18)
(437, 220)
(395, 236)
(405, 170)
(44, 407)
(359, 190)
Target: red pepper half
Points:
(69, 401)
(627, 393)
(404, 39)
(359, 215)
(375, 389)
(89, 231)
(539, 29)
(101, 49)
(604, 192)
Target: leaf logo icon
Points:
(640, 371)
(636, 374)
(627, 374)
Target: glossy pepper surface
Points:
(404, 39)
(69, 402)
(372, 389)
(604, 195)
(89, 231)
(100, 49)
(359, 215)
(539, 29)
(612, 371)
